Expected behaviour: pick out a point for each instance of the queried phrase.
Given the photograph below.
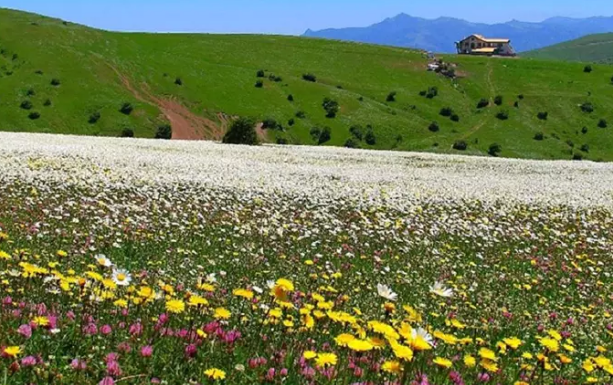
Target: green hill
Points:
(593, 48)
(98, 71)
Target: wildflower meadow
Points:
(128, 261)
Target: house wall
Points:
(467, 45)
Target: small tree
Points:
(587, 69)
(370, 137)
(432, 92)
(483, 103)
(585, 148)
(352, 143)
(602, 123)
(520, 96)
(301, 114)
(543, 115)
(331, 107)
(127, 133)
(259, 84)
(94, 117)
(260, 74)
(242, 131)
(269, 123)
(357, 132)
(434, 127)
(498, 100)
(164, 131)
(309, 77)
(55, 82)
(315, 133)
(446, 111)
(34, 115)
(460, 145)
(494, 149)
(290, 98)
(587, 107)
(26, 105)
(30, 92)
(291, 122)
(502, 115)
(126, 108)
(584, 130)
(325, 136)
(455, 118)
(391, 97)
(539, 136)
(178, 81)
(47, 103)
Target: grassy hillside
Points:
(593, 48)
(99, 71)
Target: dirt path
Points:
(185, 124)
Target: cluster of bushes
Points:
(272, 124)
(360, 134)
(331, 106)
(321, 136)
(164, 131)
(430, 93)
(242, 131)
(275, 78)
(449, 113)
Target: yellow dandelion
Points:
(442, 362)
(175, 306)
(326, 359)
(309, 355)
(12, 351)
(222, 313)
(215, 374)
(392, 367)
(360, 345)
(470, 361)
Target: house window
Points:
(472, 46)
(499, 45)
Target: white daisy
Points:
(122, 277)
(103, 261)
(386, 292)
(439, 289)
(422, 333)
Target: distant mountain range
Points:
(440, 34)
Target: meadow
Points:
(136, 261)
(59, 77)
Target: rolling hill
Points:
(439, 35)
(60, 77)
(593, 48)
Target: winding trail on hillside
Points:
(185, 124)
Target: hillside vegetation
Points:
(64, 78)
(593, 48)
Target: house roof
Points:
(484, 50)
(488, 40)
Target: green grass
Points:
(219, 74)
(593, 48)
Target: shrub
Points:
(290, 97)
(584, 130)
(577, 156)
(127, 133)
(539, 136)
(30, 92)
(611, 79)
(15, 56)
(282, 141)
(26, 105)
(164, 132)
(455, 118)
(269, 123)
(291, 122)
(259, 84)
(331, 107)
(543, 115)
(587, 69)
(585, 148)
(55, 82)
(34, 115)
(516, 104)
(260, 74)
(498, 100)
(602, 123)
(434, 127)
(370, 137)
(520, 96)
(315, 133)
(502, 115)
(570, 143)
(587, 107)
(357, 132)
(126, 108)
(352, 143)
(179, 81)
(339, 87)
(47, 103)
(460, 145)
(432, 92)
(361, 99)
(309, 77)
(483, 103)
(301, 114)
(423, 93)
(38, 72)
(494, 149)
(274, 78)
(242, 131)
(446, 111)
(391, 97)
(326, 135)
(94, 117)
(398, 138)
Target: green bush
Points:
(494, 149)
(357, 132)
(577, 156)
(291, 122)
(34, 115)
(502, 115)
(326, 135)
(434, 127)
(520, 96)
(164, 131)
(460, 145)
(370, 137)
(483, 103)
(282, 141)
(259, 84)
(47, 103)
(455, 118)
(498, 100)
(587, 69)
(584, 130)
(331, 106)
(587, 107)
(242, 131)
(179, 81)
(26, 105)
(94, 117)
(126, 108)
(539, 136)
(309, 77)
(391, 97)
(260, 74)
(543, 115)
(602, 123)
(301, 114)
(55, 82)
(127, 133)
(269, 123)
(290, 97)
(446, 111)
(585, 148)
(352, 143)
(30, 92)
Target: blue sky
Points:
(291, 16)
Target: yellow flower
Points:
(201, 333)
(592, 380)
(175, 306)
(309, 355)
(61, 253)
(443, 362)
(221, 313)
(247, 294)
(326, 359)
(360, 345)
(12, 351)
(565, 359)
(402, 352)
(5, 256)
(489, 365)
(521, 383)
(122, 303)
(588, 366)
(146, 292)
(41, 321)
(470, 361)
(281, 288)
(550, 344)
(512, 342)
(392, 367)
(602, 361)
(195, 300)
(487, 354)
(215, 374)
(344, 339)
(527, 356)
(555, 335)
